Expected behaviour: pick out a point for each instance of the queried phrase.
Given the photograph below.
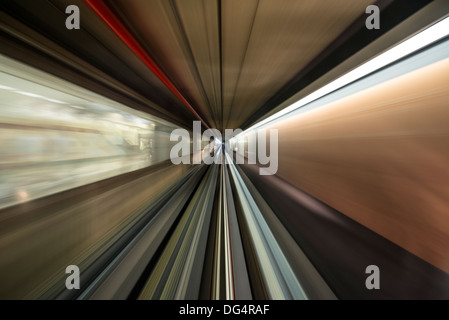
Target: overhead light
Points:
(422, 39)
(53, 100)
(29, 94)
(7, 88)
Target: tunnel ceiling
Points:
(233, 60)
(230, 57)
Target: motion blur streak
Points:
(380, 157)
(112, 21)
(87, 162)
(66, 144)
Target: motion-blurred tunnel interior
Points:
(224, 149)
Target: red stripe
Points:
(103, 11)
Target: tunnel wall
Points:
(380, 157)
